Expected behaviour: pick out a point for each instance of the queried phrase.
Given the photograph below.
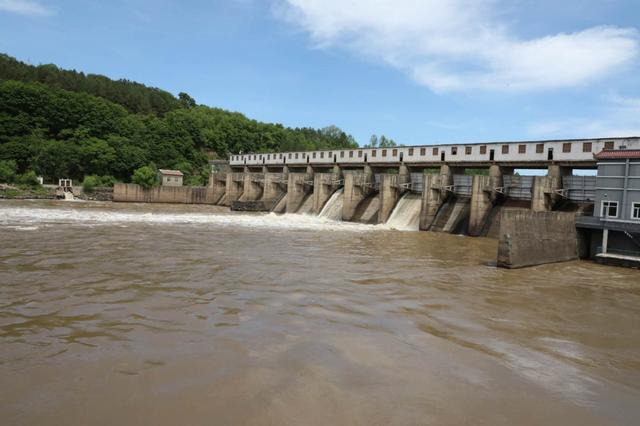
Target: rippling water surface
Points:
(157, 314)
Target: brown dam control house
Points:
(170, 177)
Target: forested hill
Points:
(135, 97)
(67, 124)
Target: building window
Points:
(384, 152)
(522, 149)
(609, 209)
(322, 155)
(281, 156)
(483, 149)
(586, 147)
(329, 154)
(314, 155)
(359, 154)
(608, 145)
(566, 147)
(410, 151)
(254, 157)
(635, 211)
(373, 153)
(505, 149)
(423, 151)
(394, 152)
(350, 154)
(341, 154)
(539, 148)
(296, 155)
(467, 150)
(289, 156)
(454, 150)
(435, 151)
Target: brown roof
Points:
(170, 172)
(618, 154)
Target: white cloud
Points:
(453, 45)
(625, 104)
(618, 116)
(25, 7)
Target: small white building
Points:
(170, 177)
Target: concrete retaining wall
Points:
(530, 238)
(132, 193)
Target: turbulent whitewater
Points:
(333, 208)
(94, 214)
(406, 214)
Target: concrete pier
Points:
(324, 185)
(234, 188)
(533, 238)
(434, 193)
(298, 188)
(481, 203)
(252, 187)
(389, 195)
(273, 187)
(218, 185)
(543, 194)
(357, 186)
(432, 199)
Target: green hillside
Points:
(62, 123)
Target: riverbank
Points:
(48, 192)
(24, 192)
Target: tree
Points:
(380, 142)
(29, 178)
(146, 177)
(385, 142)
(186, 101)
(7, 171)
(90, 183)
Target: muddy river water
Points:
(190, 315)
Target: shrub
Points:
(145, 176)
(29, 178)
(7, 171)
(90, 183)
(107, 180)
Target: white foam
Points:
(333, 208)
(406, 214)
(24, 216)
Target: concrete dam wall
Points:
(129, 192)
(447, 200)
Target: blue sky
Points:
(419, 71)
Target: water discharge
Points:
(185, 314)
(307, 205)
(332, 210)
(406, 214)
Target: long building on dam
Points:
(421, 187)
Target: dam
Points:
(423, 188)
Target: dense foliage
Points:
(146, 177)
(91, 182)
(135, 97)
(66, 124)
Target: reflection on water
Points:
(114, 313)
